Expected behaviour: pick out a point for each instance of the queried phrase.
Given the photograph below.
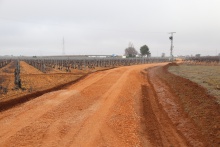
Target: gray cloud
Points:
(37, 27)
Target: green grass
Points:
(206, 76)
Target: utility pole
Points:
(63, 47)
(171, 48)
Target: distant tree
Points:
(163, 55)
(130, 51)
(145, 51)
(197, 55)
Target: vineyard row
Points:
(83, 64)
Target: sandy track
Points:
(117, 107)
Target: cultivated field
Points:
(45, 74)
(206, 76)
(33, 80)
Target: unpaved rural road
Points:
(117, 107)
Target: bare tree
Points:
(130, 51)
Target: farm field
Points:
(33, 80)
(138, 105)
(206, 76)
(45, 74)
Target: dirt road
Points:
(117, 107)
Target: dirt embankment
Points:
(206, 76)
(34, 83)
(196, 103)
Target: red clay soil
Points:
(126, 106)
(200, 107)
(14, 101)
(33, 82)
(28, 69)
(8, 69)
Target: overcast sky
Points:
(37, 27)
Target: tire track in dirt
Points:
(62, 104)
(200, 107)
(92, 125)
(156, 122)
(173, 109)
(117, 107)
